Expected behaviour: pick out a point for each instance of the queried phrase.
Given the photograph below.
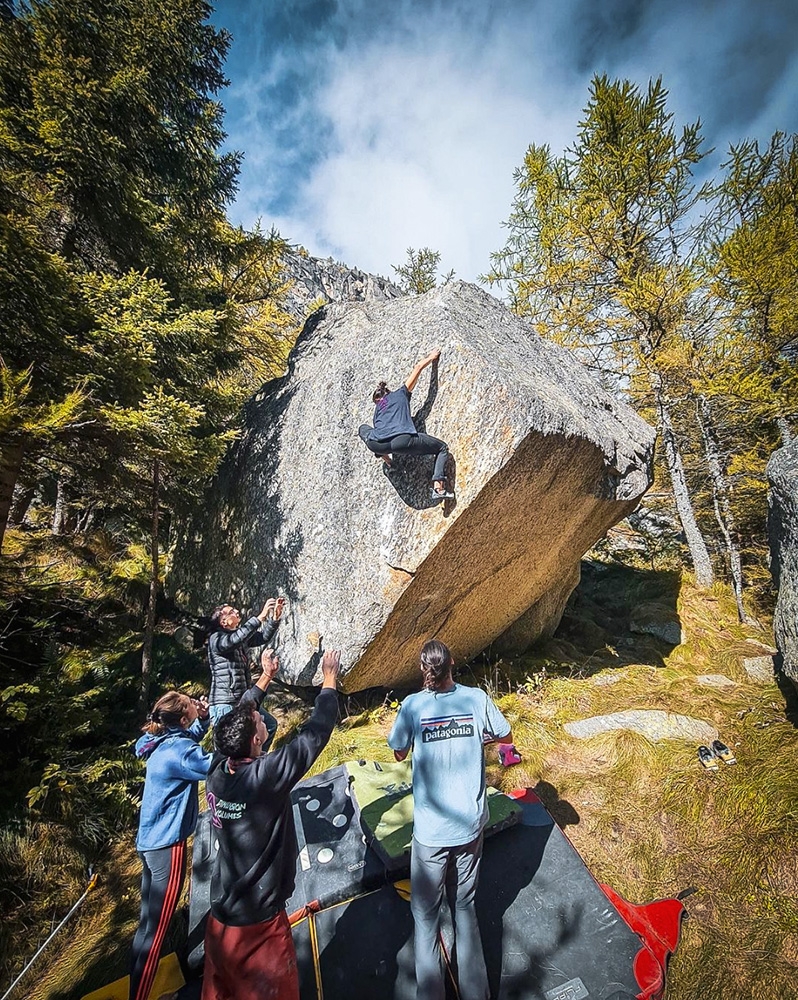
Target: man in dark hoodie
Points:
(249, 952)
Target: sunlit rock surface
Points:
(782, 475)
(544, 461)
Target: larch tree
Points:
(601, 254)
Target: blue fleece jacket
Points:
(175, 763)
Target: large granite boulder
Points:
(544, 461)
(782, 475)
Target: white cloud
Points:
(422, 154)
(410, 137)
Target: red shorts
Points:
(256, 962)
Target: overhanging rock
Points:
(544, 462)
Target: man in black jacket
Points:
(228, 654)
(249, 952)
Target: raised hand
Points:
(269, 666)
(330, 668)
(268, 609)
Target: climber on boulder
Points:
(394, 432)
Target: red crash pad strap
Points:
(659, 925)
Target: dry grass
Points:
(646, 817)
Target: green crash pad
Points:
(384, 796)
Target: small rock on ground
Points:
(759, 669)
(654, 724)
(715, 681)
(605, 680)
(667, 631)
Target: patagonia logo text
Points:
(448, 727)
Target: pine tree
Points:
(109, 160)
(419, 273)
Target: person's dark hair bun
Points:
(380, 391)
(436, 664)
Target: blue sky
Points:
(369, 126)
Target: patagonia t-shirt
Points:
(445, 731)
(392, 415)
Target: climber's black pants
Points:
(410, 444)
(162, 878)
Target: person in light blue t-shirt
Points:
(445, 725)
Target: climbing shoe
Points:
(707, 758)
(441, 494)
(723, 752)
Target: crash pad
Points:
(384, 794)
(168, 979)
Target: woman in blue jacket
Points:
(176, 763)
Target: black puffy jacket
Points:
(228, 658)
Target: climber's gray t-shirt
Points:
(392, 416)
(445, 731)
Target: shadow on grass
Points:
(561, 811)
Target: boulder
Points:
(782, 475)
(651, 618)
(544, 460)
(654, 724)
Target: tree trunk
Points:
(12, 452)
(149, 627)
(20, 504)
(86, 520)
(721, 491)
(61, 510)
(699, 554)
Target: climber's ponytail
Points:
(167, 713)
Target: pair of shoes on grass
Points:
(709, 756)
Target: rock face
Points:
(544, 461)
(318, 281)
(782, 474)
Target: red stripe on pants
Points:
(167, 912)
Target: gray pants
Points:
(455, 870)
